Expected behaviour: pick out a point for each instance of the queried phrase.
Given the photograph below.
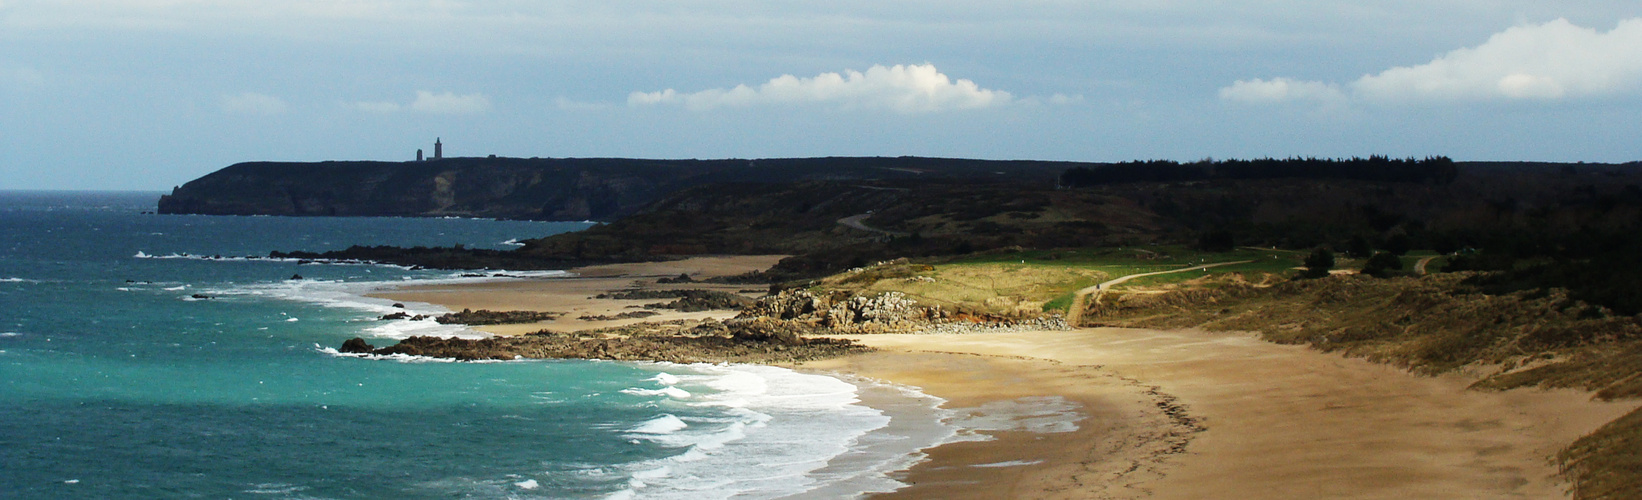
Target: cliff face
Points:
(540, 189)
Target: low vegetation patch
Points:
(1605, 465)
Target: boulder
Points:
(357, 345)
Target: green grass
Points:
(1046, 280)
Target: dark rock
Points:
(694, 300)
(488, 317)
(201, 296)
(398, 305)
(357, 345)
(296, 277)
(682, 278)
(624, 315)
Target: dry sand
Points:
(1279, 421)
(1164, 414)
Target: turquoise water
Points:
(116, 382)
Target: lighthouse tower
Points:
(438, 149)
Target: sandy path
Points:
(1419, 266)
(1074, 313)
(1289, 422)
(858, 222)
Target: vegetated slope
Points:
(912, 218)
(539, 189)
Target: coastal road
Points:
(1075, 313)
(855, 222)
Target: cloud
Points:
(443, 103)
(1550, 61)
(449, 104)
(252, 103)
(899, 88)
(1280, 89)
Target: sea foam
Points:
(784, 433)
(351, 295)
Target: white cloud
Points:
(1280, 89)
(900, 88)
(252, 103)
(447, 103)
(1549, 61)
(443, 103)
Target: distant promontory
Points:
(536, 189)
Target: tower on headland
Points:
(418, 154)
(438, 149)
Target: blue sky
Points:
(148, 94)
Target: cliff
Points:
(537, 189)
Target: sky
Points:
(149, 94)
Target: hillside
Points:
(532, 188)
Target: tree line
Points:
(1433, 169)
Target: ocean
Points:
(145, 356)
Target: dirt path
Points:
(1074, 313)
(1419, 267)
(855, 222)
(1289, 422)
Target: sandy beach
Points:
(1276, 421)
(1128, 413)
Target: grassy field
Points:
(1026, 283)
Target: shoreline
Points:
(573, 295)
(1159, 414)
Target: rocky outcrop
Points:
(769, 330)
(610, 317)
(677, 342)
(693, 300)
(356, 345)
(489, 317)
(847, 313)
